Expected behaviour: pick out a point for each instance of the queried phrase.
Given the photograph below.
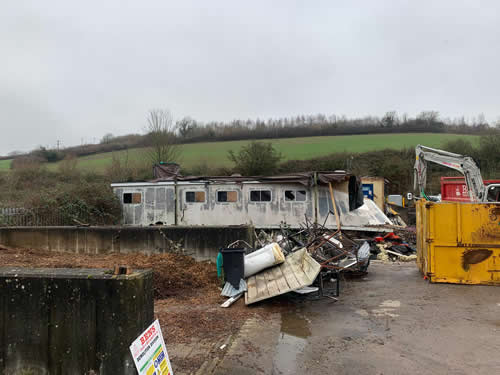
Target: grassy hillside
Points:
(215, 153)
(4, 164)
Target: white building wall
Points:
(158, 205)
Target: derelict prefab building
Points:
(264, 202)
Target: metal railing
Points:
(23, 217)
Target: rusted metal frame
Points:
(324, 264)
(325, 240)
(237, 242)
(331, 267)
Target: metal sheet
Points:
(459, 242)
(368, 214)
(304, 178)
(231, 291)
(298, 270)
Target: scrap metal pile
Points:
(302, 261)
(395, 247)
(332, 249)
(297, 261)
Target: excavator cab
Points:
(493, 193)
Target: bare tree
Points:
(15, 153)
(162, 141)
(185, 126)
(107, 138)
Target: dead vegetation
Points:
(66, 194)
(187, 296)
(174, 275)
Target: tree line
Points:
(188, 130)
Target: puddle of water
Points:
(295, 324)
(390, 303)
(387, 308)
(292, 341)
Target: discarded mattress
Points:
(298, 270)
(269, 255)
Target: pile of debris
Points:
(333, 250)
(303, 261)
(392, 247)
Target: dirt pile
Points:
(174, 274)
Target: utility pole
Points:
(58, 143)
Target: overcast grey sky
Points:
(73, 70)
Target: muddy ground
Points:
(187, 297)
(388, 322)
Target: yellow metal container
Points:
(459, 242)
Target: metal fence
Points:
(22, 217)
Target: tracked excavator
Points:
(478, 192)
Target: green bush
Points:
(256, 158)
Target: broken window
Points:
(195, 196)
(132, 198)
(295, 195)
(301, 196)
(260, 196)
(227, 196)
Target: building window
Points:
(260, 196)
(295, 195)
(195, 196)
(227, 196)
(132, 198)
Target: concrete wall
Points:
(71, 321)
(202, 242)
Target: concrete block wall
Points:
(71, 321)
(202, 242)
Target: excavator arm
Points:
(463, 164)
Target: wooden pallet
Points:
(298, 270)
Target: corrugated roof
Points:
(304, 178)
(231, 291)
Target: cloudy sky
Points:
(75, 70)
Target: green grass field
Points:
(215, 153)
(4, 164)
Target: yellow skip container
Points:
(459, 242)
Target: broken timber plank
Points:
(298, 270)
(252, 288)
(261, 284)
(292, 280)
(280, 279)
(272, 286)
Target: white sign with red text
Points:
(150, 353)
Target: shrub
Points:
(87, 198)
(256, 158)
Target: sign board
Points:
(149, 352)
